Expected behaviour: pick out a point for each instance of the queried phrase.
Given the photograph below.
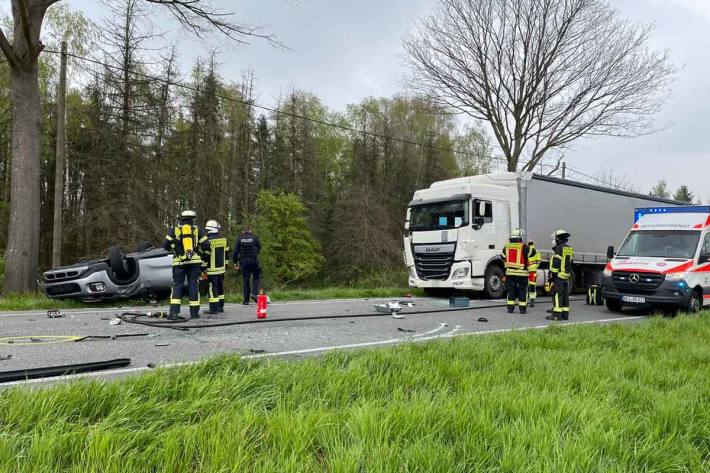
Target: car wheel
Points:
(117, 262)
(144, 245)
(494, 288)
(695, 303)
(613, 305)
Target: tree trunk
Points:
(23, 238)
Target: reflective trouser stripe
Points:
(212, 297)
(511, 302)
(221, 297)
(195, 303)
(557, 307)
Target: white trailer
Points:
(456, 229)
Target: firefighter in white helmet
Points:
(216, 266)
(560, 275)
(515, 258)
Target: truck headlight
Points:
(676, 276)
(460, 273)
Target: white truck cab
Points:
(663, 262)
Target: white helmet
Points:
(213, 226)
(187, 215)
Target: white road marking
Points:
(443, 324)
(452, 334)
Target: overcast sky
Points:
(343, 51)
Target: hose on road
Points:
(143, 318)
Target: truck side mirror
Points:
(478, 223)
(610, 252)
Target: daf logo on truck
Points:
(432, 249)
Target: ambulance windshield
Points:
(660, 244)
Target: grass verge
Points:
(41, 302)
(621, 398)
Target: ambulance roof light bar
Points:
(696, 209)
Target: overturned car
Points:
(146, 274)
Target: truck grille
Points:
(632, 281)
(435, 266)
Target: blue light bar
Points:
(689, 209)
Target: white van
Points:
(664, 261)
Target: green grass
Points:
(40, 302)
(618, 398)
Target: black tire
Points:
(613, 305)
(493, 286)
(695, 303)
(144, 245)
(117, 262)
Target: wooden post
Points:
(59, 160)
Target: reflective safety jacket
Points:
(515, 257)
(219, 255)
(561, 262)
(534, 258)
(188, 244)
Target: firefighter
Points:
(560, 274)
(246, 258)
(189, 245)
(216, 266)
(515, 257)
(533, 264)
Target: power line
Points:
(318, 121)
(281, 112)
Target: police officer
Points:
(189, 245)
(515, 257)
(216, 266)
(533, 263)
(246, 257)
(560, 274)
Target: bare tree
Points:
(22, 52)
(542, 73)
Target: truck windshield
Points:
(439, 216)
(660, 244)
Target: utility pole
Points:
(564, 170)
(59, 160)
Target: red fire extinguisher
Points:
(262, 303)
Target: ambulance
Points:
(663, 263)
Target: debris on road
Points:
(115, 321)
(55, 314)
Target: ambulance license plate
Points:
(634, 299)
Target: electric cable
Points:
(134, 317)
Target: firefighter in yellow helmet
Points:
(216, 266)
(533, 263)
(560, 275)
(515, 258)
(189, 245)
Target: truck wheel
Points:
(613, 305)
(493, 286)
(695, 303)
(117, 262)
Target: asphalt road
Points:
(26, 337)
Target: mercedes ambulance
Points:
(664, 261)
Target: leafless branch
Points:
(199, 18)
(542, 73)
